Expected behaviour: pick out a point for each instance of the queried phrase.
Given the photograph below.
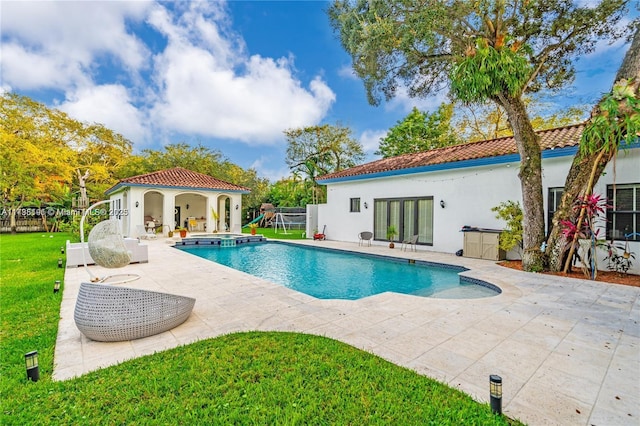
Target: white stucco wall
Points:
(468, 193)
(162, 208)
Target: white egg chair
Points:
(106, 247)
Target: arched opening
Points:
(191, 212)
(153, 210)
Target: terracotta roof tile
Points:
(549, 139)
(179, 177)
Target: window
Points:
(553, 202)
(410, 216)
(623, 216)
(354, 205)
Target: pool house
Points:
(177, 197)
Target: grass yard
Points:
(292, 234)
(245, 378)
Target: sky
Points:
(231, 76)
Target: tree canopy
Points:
(420, 131)
(42, 150)
(477, 122)
(489, 50)
(317, 150)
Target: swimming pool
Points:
(335, 274)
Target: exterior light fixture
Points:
(59, 263)
(56, 286)
(61, 250)
(187, 206)
(442, 204)
(366, 206)
(495, 392)
(31, 361)
(137, 204)
(237, 206)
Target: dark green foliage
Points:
(318, 150)
(510, 212)
(488, 73)
(617, 122)
(420, 131)
(416, 43)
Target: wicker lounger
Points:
(112, 313)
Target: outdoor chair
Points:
(365, 238)
(147, 233)
(108, 313)
(410, 242)
(106, 247)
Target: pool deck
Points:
(568, 350)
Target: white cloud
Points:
(347, 72)
(109, 105)
(370, 140)
(209, 87)
(264, 164)
(55, 44)
(190, 74)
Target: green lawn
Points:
(245, 378)
(292, 234)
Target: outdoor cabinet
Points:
(483, 244)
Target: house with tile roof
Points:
(437, 193)
(177, 197)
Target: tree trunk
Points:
(574, 187)
(12, 220)
(530, 181)
(579, 174)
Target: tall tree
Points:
(614, 122)
(34, 156)
(420, 131)
(43, 148)
(477, 122)
(487, 50)
(318, 150)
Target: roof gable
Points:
(563, 137)
(179, 177)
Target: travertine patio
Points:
(568, 350)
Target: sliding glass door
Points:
(410, 216)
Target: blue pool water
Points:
(331, 274)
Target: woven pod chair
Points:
(112, 313)
(106, 247)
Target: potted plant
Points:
(253, 227)
(391, 232)
(182, 231)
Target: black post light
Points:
(59, 263)
(31, 361)
(495, 391)
(56, 286)
(61, 250)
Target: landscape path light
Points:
(495, 392)
(31, 361)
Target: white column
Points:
(168, 212)
(236, 215)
